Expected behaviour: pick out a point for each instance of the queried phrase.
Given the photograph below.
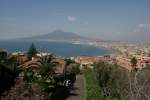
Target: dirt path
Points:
(78, 90)
(75, 93)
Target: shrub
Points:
(93, 91)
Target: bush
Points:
(111, 80)
(115, 83)
(8, 73)
(75, 68)
(93, 91)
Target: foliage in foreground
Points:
(43, 75)
(8, 73)
(33, 83)
(25, 91)
(72, 66)
(93, 91)
(121, 84)
(110, 79)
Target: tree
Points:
(32, 51)
(8, 73)
(47, 67)
(46, 72)
(69, 61)
(119, 84)
(42, 74)
(111, 79)
(74, 68)
(134, 62)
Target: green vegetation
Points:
(105, 82)
(32, 51)
(8, 73)
(36, 79)
(43, 75)
(72, 66)
(35, 82)
(92, 88)
(134, 62)
(111, 82)
(69, 61)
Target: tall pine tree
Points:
(32, 51)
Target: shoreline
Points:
(58, 48)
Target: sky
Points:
(101, 19)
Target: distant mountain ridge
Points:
(58, 35)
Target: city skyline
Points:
(101, 19)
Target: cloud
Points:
(142, 28)
(71, 18)
(144, 25)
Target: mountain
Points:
(58, 35)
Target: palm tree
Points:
(46, 73)
(47, 67)
(41, 73)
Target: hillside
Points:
(58, 35)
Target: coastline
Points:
(64, 49)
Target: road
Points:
(75, 93)
(78, 89)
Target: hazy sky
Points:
(103, 19)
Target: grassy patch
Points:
(92, 89)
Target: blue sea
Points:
(56, 48)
